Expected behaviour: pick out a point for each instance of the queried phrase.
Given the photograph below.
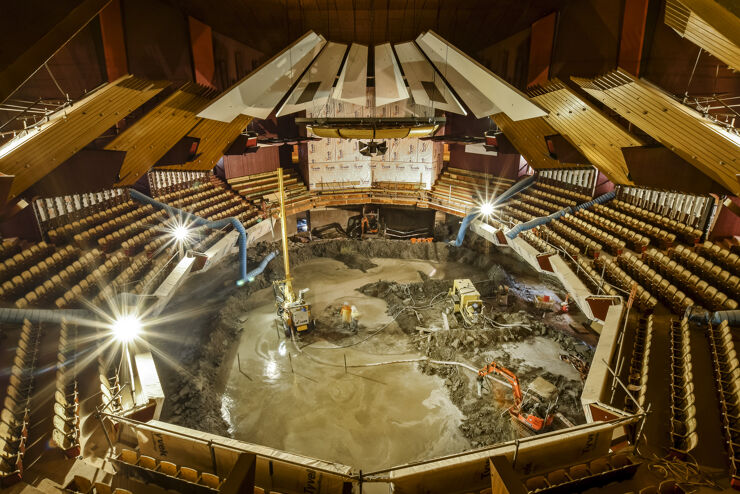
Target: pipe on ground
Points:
(542, 220)
(505, 196)
(197, 220)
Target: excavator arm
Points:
(494, 368)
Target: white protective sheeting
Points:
(337, 163)
(314, 88)
(483, 92)
(352, 83)
(389, 85)
(258, 93)
(427, 87)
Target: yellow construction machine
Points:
(466, 301)
(292, 309)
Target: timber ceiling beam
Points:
(689, 24)
(706, 145)
(150, 137)
(20, 70)
(215, 137)
(36, 151)
(596, 136)
(528, 137)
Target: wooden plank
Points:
(598, 138)
(18, 72)
(528, 137)
(150, 137)
(32, 155)
(704, 144)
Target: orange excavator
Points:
(536, 408)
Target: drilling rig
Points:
(292, 309)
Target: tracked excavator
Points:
(535, 410)
(292, 309)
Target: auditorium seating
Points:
(634, 240)
(687, 233)
(65, 233)
(461, 190)
(613, 245)
(14, 427)
(702, 291)
(555, 239)
(585, 244)
(726, 369)
(684, 437)
(720, 255)
(583, 476)
(638, 369)
(592, 277)
(708, 270)
(644, 300)
(674, 298)
(24, 279)
(664, 238)
(166, 474)
(536, 242)
(562, 189)
(66, 421)
(9, 248)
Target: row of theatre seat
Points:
(66, 420)
(720, 255)
(87, 219)
(14, 427)
(699, 288)
(726, 368)
(583, 476)
(631, 238)
(83, 485)
(664, 238)
(620, 278)
(648, 277)
(586, 270)
(638, 371)
(22, 281)
(686, 232)
(166, 474)
(684, 437)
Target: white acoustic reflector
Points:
(483, 92)
(258, 93)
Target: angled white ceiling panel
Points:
(482, 91)
(314, 88)
(427, 87)
(389, 85)
(258, 93)
(352, 83)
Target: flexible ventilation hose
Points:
(197, 220)
(731, 316)
(508, 194)
(521, 227)
(262, 265)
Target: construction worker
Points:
(346, 315)
(355, 316)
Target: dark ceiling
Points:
(270, 25)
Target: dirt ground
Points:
(208, 350)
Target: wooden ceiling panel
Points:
(704, 144)
(597, 137)
(691, 26)
(32, 155)
(528, 137)
(150, 137)
(215, 137)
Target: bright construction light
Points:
(180, 233)
(126, 328)
(486, 209)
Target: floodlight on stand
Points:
(126, 328)
(486, 209)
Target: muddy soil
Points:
(193, 400)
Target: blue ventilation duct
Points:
(505, 196)
(262, 265)
(203, 222)
(521, 227)
(703, 316)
